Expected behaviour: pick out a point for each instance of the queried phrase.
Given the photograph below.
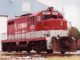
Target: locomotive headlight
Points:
(61, 23)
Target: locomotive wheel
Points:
(49, 51)
(20, 50)
(28, 51)
(62, 52)
(38, 52)
(8, 49)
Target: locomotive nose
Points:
(55, 24)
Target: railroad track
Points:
(35, 54)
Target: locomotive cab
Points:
(51, 13)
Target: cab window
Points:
(50, 16)
(38, 18)
(61, 17)
(32, 20)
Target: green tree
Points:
(75, 32)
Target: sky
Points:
(71, 9)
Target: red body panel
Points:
(21, 24)
(52, 25)
(10, 29)
(25, 24)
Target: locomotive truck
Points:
(44, 31)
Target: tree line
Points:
(75, 32)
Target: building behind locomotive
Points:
(44, 31)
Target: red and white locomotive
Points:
(43, 31)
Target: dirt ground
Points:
(64, 58)
(38, 57)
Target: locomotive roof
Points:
(38, 13)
